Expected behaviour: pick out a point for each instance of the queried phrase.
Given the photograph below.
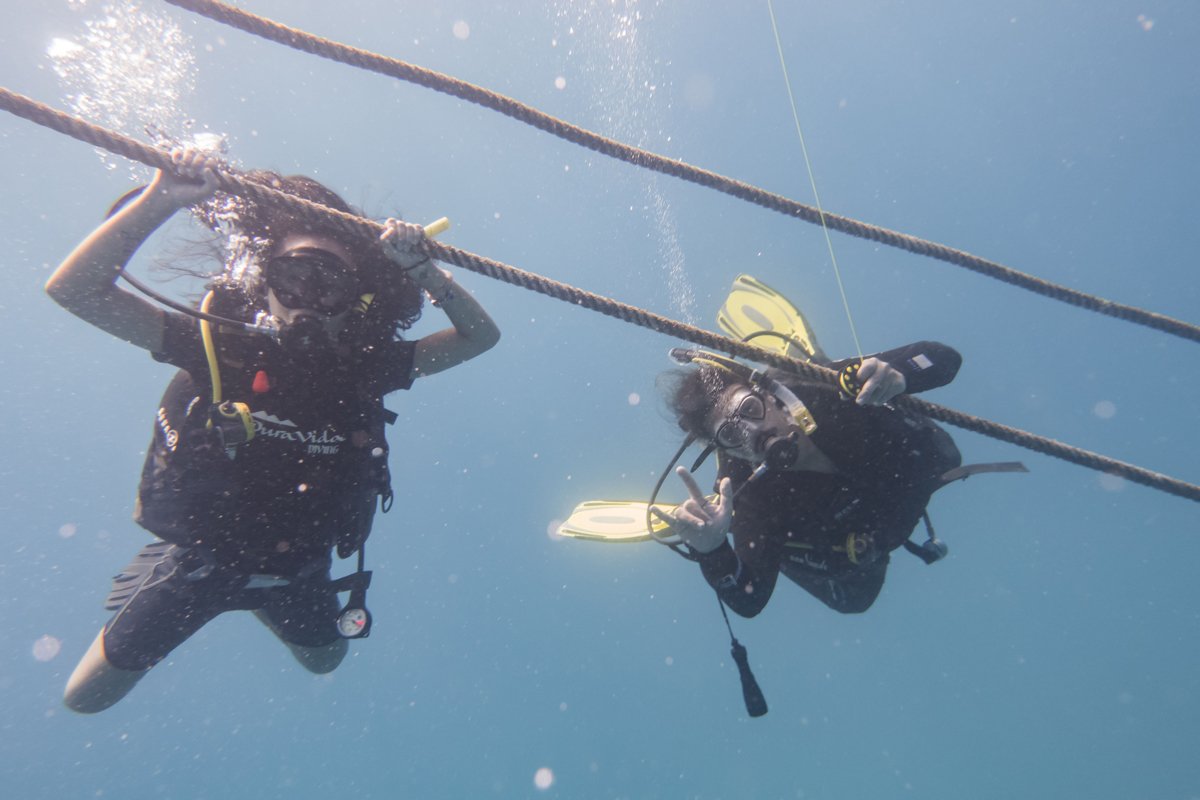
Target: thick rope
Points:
(122, 145)
(373, 62)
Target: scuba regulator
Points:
(781, 451)
(232, 422)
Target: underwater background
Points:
(1054, 653)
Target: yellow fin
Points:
(753, 308)
(612, 521)
(618, 521)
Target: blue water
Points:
(1053, 654)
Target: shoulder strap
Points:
(934, 549)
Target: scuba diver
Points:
(815, 483)
(268, 450)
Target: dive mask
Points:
(739, 426)
(314, 280)
(751, 407)
(746, 412)
(744, 426)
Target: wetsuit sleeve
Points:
(924, 365)
(393, 367)
(744, 575)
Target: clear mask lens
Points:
(734, 432)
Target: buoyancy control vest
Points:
(308, 479)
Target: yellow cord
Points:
(813, 181)
(210, 350)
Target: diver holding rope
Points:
(268, 450)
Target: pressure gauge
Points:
(354, 623)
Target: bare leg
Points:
(96, 684)
(319, 660)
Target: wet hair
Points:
(692, 394)
(246, 231)
(398, 300)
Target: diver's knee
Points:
(854, 608)
(96, 684)
(321, 660)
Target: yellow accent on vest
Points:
(851, 547)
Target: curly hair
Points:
(692, 394)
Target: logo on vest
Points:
(325, 442)
(809, 561)
(169, 434)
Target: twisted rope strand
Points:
(353, 225)
(373, 62)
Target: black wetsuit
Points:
(832, 533)
(274, 506)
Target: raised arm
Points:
(473, 331)
(743, 576)
(85, 283)
(914, 368)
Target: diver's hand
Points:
(880, 382)
(402, 244)
(701, 524)
(192, 179)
